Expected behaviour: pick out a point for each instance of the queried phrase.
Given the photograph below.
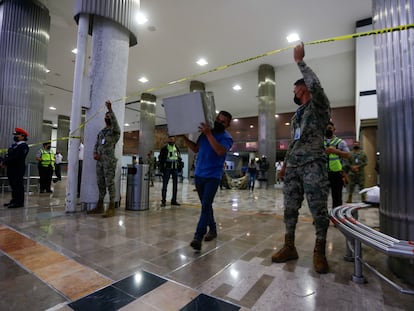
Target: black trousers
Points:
(45, 174)
(336, 184)
(17, 187)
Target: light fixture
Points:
(251, 126)
(276, 116)
(143, 80)
(237, 87)
(47, 70)
(126, 124)
(75, 51)
(292, 37)
(202, 62)
(141, 18)
(52, 108)
(287, 123)
(235, 120)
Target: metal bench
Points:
(342, 217)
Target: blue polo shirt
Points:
(209, 164)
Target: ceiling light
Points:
(237, 87)
(287, 123)
(74, 51)
(202, 62)
(141, 19)
(293, 37)
(251, 126)
(47, 70)
(126, 124)
(52, 108)
(276, 116)
(235, 120)
(143, 80)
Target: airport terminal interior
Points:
(141, 259)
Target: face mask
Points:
(297, 101)
(218, 127)
(48, 147)
(16, 139)
(108, 121)
(328, 133)
(171, 144)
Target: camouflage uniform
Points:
(306, 159)
(106, 165)
(356, 178)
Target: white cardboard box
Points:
(185, 112)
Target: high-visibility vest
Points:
(334, 161)
(172, 153)
(47, 158)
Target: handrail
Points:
(343, 219)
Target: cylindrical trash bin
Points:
(137, 192)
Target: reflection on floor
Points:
(141, 260)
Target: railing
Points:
(342, 217)
(4, 180)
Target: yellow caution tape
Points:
(224, 67)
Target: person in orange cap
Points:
(15, 161)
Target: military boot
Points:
(99, 209)
(320, 264)
(349, 198)
(110, 212)
(288, 251)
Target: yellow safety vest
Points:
(334, 161)
(47, 158)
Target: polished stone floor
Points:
(141, 260)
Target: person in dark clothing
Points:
(15, 161)
(170, 165)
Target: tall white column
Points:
(110, 50)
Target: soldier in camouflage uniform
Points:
(104, 154)
(304, 166)
(356, 163)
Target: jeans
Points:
(206, 189)
(252, 179)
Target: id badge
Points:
(103, 141)
(356, 160)
(297, 134)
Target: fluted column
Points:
(24, 39)
(394, 53)
(266, 118)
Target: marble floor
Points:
(141, 260)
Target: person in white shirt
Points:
(58, 168)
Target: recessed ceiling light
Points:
(52, 108)
(237, 87)
(202, 62)
(251, 126)
(287, 123)
(47, 70)
(293, 37)
(55, 125)
(141, 18)
(74, 51)
(126, 124)
(235, 120)
(143, 80)
(276, 116)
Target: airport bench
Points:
(358, 233)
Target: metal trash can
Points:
(137, 192)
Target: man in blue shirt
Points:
(212, 146)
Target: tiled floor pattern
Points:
(235, 268)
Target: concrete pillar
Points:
(394, 53)
(62, 135)
(108, 73)
(194, 87)
(24, 39)
(113, 29)
(147, 124)
(266, 118)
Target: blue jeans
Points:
(206, 189)
(252, 179)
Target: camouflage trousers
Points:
(105, 174)
(355, 179)
(310, 180)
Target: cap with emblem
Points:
(20, 131)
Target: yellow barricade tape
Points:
(224, 67)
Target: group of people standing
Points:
(314, 163)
